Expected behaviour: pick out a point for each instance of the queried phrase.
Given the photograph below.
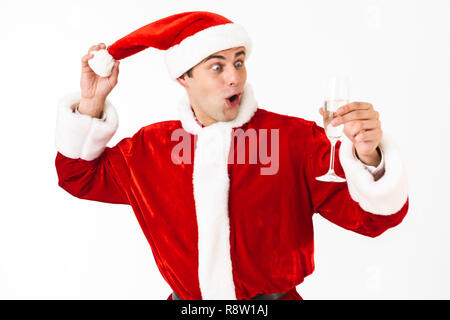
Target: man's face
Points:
(216, 84)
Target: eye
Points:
(238, 64)
(216, 67)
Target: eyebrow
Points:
(242, 52)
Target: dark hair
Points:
(189, 73)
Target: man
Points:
(223, 219)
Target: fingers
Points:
(84, 60)
(354, 106)
(353, 128)
(89, 55)
(362, 126)
(97, 47)
(369, 135)
(354, 115)
(362, 123)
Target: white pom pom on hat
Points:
(102, 63)
(187, 39)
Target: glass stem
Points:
(333, 145)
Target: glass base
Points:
(330, 176)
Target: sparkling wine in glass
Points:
(337, 96)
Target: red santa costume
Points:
(222, 229)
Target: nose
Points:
(232, 77)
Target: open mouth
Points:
(233, 100)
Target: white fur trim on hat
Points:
(192, 50)
(385, 196)
(82, 136)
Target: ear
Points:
(182, 81)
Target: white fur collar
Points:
(211, 188)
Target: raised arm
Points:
(86, 122)
(95, 89)
(361, 204)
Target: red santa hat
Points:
(187, 39)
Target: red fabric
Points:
(165, 33)
(271, 216)
(292, 295)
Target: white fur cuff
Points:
(385, 196)
(80, 135)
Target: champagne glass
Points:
(337, 96)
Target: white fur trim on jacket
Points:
(385, 196)
(192, 50)
(211, 188)
(82, 136)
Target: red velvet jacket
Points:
(269, 217)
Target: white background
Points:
(54, 246)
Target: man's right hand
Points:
(95, 89)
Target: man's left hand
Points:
(363, 127)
